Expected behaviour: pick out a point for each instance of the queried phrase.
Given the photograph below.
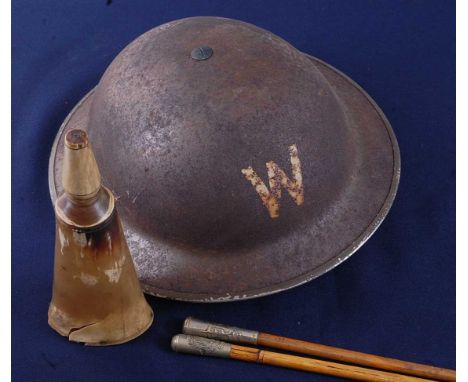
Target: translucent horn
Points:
(97, 298)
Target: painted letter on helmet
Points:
(278, 179)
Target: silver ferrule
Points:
(183, 343)
(221, 332)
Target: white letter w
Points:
(277, 179)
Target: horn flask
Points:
(97, 298)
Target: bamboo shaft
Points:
(357, 358)
(356, 373)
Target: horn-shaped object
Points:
(97, 298)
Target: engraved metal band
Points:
(221, 332)
(183, 343)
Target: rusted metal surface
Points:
(241, 175)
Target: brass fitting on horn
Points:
(97, 298)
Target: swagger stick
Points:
(232, 334)
(204, 346)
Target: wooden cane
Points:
(184, 343)
(196, 327)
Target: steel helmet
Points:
(242, 166)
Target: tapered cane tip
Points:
(186, 324)
(175, 343)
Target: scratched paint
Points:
(277, 180)
(109, 242)
(114, 273)
(87, 279)
(63, 240)
(80, 238)
(326, 115)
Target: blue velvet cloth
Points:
(395, 297)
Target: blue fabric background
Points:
(395, 297)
